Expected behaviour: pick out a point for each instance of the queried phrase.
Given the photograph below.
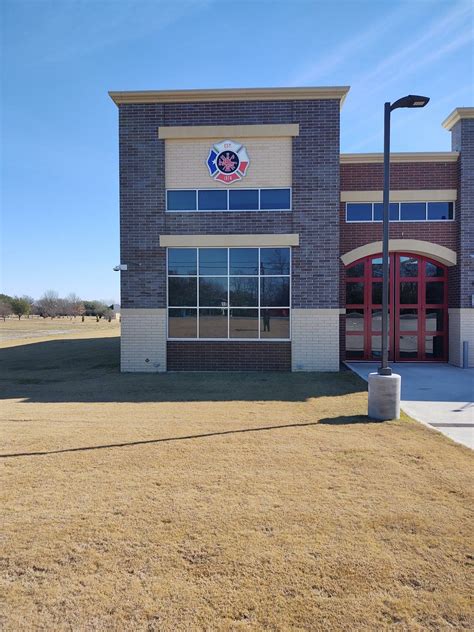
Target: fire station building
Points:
(249, 242)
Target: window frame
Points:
(259, 308)
(399, 220)
(228, 210)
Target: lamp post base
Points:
(384, 396)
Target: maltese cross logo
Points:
(227, 161)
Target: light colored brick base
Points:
(461, 328)
(315, 340)
(143, 340)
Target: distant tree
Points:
(95, 308)
(5, 309)
(75, 305)
(49, 305)
(5, 298)
(31, 304)
(20, 306)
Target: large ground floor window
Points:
(229, 293)
(418, 309)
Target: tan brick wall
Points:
(461, 328)
(143, 341)
(270, 163)
(315, 339)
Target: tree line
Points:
(51, 305)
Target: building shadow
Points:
(87, 370)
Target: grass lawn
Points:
(219, 501)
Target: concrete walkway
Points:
(439, 395)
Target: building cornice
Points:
(231, 94)
(456, 115)
(419, 156)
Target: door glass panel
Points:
(377, 320)
(434, 320)
(408, 267)
(408, 346)
(434, 347)
(435, 292)
(355, 293)
(408, 320)
(355, 346)
(408, 292)
(356, 270)
(355, 320)
(376, 346)
(377, 267)
(377, 293)
(432, 270)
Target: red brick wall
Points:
(228, 356)
(403, 175)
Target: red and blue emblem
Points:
(227, 161)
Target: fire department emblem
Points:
(227, 161)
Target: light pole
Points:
(384, 394)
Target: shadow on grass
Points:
(361, 419)
(87, 370)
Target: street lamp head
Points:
(410, 101)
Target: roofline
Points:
(420, 156)
(456, 115)
(231, 94)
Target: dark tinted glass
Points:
(377, 267)
(408, 267)
(212, 323)
(408, 292)
(355, 320)
(435, 292)
(394, 211)
(274, 292)
(356, 270)
(243, 323)
(212, 200)
(434, 347)
(243, 291)
(274, 199)
(213, 261)
(358, 212)
(213, 291)
(242, 200)
(274, 323)
(182, 291)
(440, 210)
(182, 323)
(274, 261)
(182, 261)
(243, 260)
(432, 270)
(434, 320)
(181, 200)
(408, 320)
(377, 293)
(354, 293)
(412, 211)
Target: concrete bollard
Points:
(384, 396)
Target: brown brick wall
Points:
(228, 356)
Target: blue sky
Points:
(59, 176)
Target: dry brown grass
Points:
(284, 508)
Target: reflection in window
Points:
(212, 323)
(355, 293)
(408, 267)
(408, 292)
(408, 320)
(434, 347)
(356, 270)
(274, 323)
(354, 320)
(274, 199)
(432, 270)
(243, 200)
(435, 292)
(243, 323)
(434, 320)
(408, 346)
(226, 293)
(182, 323)
(355, 347)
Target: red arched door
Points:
(418, 309)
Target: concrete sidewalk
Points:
(438, 395)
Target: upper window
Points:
(400, 211)
(228, 200)
(229, 293)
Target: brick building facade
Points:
(252, 270)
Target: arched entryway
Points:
(418, 308)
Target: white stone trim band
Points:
(229, 131)
(439, 253)
(223, 241)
